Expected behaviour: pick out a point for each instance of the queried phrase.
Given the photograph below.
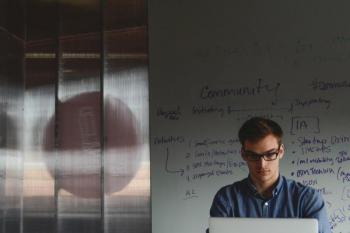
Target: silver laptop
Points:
(263, 225)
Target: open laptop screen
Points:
(263, 225)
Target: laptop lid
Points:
(263, 225)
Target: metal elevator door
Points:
(74, 146)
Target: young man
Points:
(265, 193)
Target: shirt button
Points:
(266, 204)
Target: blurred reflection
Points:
(128, 210)
(79, 141)
(11, 116)
(78, 151)
(39, 199)
(74, 150)
(6, 125)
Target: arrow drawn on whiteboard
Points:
(167, 169)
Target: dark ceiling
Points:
(42, 19)
(45, 18)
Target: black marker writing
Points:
(261, 88)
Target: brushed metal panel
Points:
(126, 146)
(11, 115)
(78, 119)
(74, 150)
(39, 199)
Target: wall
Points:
(213, 66)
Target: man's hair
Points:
(256, 128)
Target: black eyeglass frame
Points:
(262, 155)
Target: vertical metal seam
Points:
(56, 141)
(102, 133)
(147, 5)
(24, 63)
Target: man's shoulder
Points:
(295, 183)
(299, 187)
(237, 186)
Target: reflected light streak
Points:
(120, 56)
(139, 185)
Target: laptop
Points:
(263, 225)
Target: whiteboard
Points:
(215, 64)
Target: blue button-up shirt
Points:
(290, 199)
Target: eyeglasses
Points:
(267, 156)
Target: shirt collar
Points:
(253, 190)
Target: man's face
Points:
(264, 171)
